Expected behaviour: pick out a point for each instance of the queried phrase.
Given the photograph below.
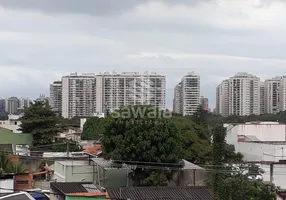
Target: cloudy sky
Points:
(41, 40)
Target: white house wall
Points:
(264, 132)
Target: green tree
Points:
(239, 187)
(227, 184)
(94, 128)
(218, 133)
(197, 147)
(10, 167)
(146, 137)
(41, 121)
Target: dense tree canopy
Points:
(93, 128)
(41, 121)
(148, 137)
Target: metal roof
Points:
(188, 165)
(75, 187)
(184, 193)
(91, 188)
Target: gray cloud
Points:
(91, 7)
(42, 40)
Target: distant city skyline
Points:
(33, 94)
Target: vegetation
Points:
(41, 121)
(236, 186)
(7, 166)
(94, 128)
(142, 138)
(148, 138)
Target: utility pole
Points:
(68, 148)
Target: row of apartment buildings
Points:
(245, 94)
(15, 105)
(88, 93)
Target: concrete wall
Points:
(23, 182)
(74, 172)
(11, 125)
(7, 184)
(264, 132)
(189, 178)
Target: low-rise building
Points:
(263, 143)
(13, 142)
(12, 123)
(108, 174)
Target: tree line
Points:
(199, 138)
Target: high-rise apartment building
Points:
(56, 96)
(189, 94)
(262, 97)
(177, 99)
(24, 103)
(2, 106)
(130, 88)
(205, 103)
(244, 94)
(241, 94)
(11, 105)
(222, 98)
(87, 94)
(271, 95)
(282, 94)
(78, 95)
(43, 98)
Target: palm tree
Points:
(10, 167)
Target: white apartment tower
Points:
(131, 88)
(222, 98)
(86, 94)
(244, 94)
(239, 95)
(56, 96)
(177, 99)
(78, 95)
(262, 97)
(272, 95)
(188, 90)
(282, 94)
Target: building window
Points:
(22, 182)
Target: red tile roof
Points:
(87, 194)
(93, 150)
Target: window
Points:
(22, 182)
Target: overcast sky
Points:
(41, 40)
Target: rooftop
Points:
(76, 188)
(73, 162)
(94, 150)
(194, 193)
